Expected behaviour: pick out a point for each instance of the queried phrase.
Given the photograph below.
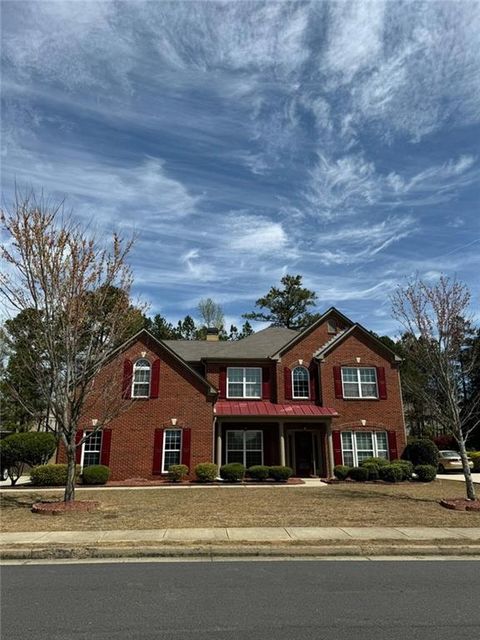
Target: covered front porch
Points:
(254, 433)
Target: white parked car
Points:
(451, 461)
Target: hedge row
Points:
(394, 471)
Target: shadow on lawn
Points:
(369, 495)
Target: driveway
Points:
(454, 475)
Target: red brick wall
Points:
(181, 396)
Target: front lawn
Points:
(342, 505)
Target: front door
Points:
(304, 462)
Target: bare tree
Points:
(211, 313)
(55, 268)
(436, 316)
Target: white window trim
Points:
(163, 447)
(307, 397)
(244, 382)
(82, 455)
(149, 379)
(359, 384)
(244, 431)
(354, 449)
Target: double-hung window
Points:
(359, 382)
(141, 379)
(92, 448)
(172, 447)
(360, 445)
(244, 382)
(300, 383)
(245, 447)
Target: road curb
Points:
(213, 551)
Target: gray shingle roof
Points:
(259, 345)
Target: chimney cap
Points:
(212, 331)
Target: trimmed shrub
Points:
(206, 471)
(380, 462)
(391, 473)
(258, 472)
(359, 474)
(475, 456)
(280, 474)
(425, 472)
(421, 451)
(51, 475)
(232, 472)
(373, 470)
(340, 471)
(28, 448)
(406, 466)
(177, 472)
(95, 474)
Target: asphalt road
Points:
(308, 600)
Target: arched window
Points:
(142, 371)
(300, 383)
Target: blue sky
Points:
(241, 141)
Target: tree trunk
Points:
(471, 495)
(71, 469)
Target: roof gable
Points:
(356, 328)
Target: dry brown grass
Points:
(335, 505)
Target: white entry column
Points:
(282, 444)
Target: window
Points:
(245, 447)
(244, 382)
(359, 445)
(172, 446)
(359, 382)
(300, 383)
(141, 379)
(92, 448)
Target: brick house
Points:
(327, 395)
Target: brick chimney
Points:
(212, 334)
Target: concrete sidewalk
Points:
(242, 542)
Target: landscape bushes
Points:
(279, 473)
(51, 475)
(425, 472)
(475, 456)
(177, 472)
(206, 472)
(30, 448)
(391, 473)
(340, 471)
(232, 472)
(359, 474)
(258, 472)
(421, 451)
(96, 474)
(374, 469)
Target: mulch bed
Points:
(461, 504)
(58, 508)
(143, 482)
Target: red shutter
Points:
(392, 445)
(106, 445)
(337, 447)
(266, 392)
(186, 439)
(157, 451)
(155, 382)
(78, 450)
(222, 383)
(382, 384)
(313, 370)
(337, 380)
(127, 379)
(287, 379)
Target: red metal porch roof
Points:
(260, 408)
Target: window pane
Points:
(348, 458)
(235, 456)
(141, 390)
(253, 439)
(369, 390)
(90, 458)
(346, 440)
(253, 375)
(382, 444)
(364, 441)
(94, 442)
(350, 390)
(173, 438)
(171, 457)
(253, 458)
(363, 455)
(368, 375)
(235, 374)
(142, 375)
(235, 440)
(235, 390)
(252, 390)
(349, 374)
